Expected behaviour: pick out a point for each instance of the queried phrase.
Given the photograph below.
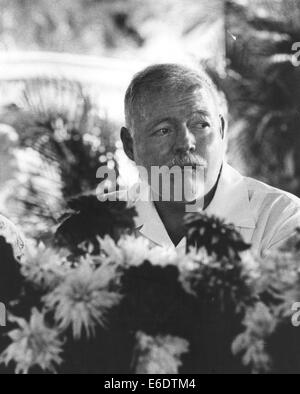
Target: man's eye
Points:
(202, 125)
(162, 132)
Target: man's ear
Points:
(222, 126)
(127, 141)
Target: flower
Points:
(219, 238)
(159, 355)
(163, 256)
(260, 324)
(135, 250)
(33, 344)
(110, 251)
(83, 298)
(43, 266)
(191, 265)
(251, 264)
(131, 251)
(194, 259)
(279, 277)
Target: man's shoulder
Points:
(276, 211)
(270, 194)
(12, 235)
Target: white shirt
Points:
(265, 216)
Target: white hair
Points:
(171, 76)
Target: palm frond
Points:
(60, 121)
(263, 90)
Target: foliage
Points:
(62, 142)
(100, 27)
(88, 219)
(262, 87)
(72, 26)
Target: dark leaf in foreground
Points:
(89, 218)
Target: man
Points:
(174, 118)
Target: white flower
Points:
(137, 250)
(159, 355)
(134, 250)
(83, 298)
(251, 264)
(193, 260)
(163, 256)
(112, 253)
(260, 324)
(278, 269)
(33, 344)
(43, 266)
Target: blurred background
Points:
(65, 66)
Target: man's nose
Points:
(185, 141)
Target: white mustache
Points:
(184, 161)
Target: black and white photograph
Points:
(150, 190)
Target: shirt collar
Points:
(231, 202)
(148, 221)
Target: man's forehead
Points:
(161, 101)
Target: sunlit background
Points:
(65, 65)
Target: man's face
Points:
(179, 127)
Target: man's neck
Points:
(172, 214)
